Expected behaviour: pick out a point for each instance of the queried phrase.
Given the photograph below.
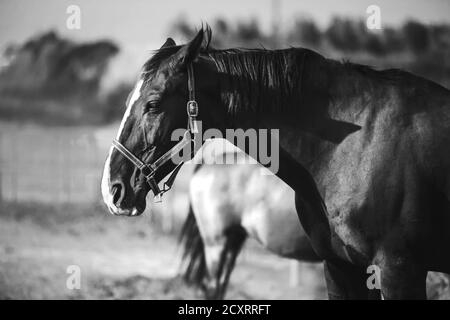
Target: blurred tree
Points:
(417, 36)
(54, 79)
(248, 31)
(222, 32)
(374, 45)
(440, 37)
(183, 28)
(305, 32)
(343, 35)
(393, 39)
(113, 105)
(221, 26)
(53, 66)
(225, 34)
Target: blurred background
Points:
(62, 95)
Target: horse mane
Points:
(259, 79)
(256, 79)
(267, 80)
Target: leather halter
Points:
(149, 169)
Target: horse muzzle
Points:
(132, 212)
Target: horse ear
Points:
(190, 51)
(169, 43)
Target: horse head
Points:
(140, 156)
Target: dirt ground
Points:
(123, 258)
(130, 258)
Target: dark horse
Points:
(229, 203)
(366, 152)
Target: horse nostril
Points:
(118, 192)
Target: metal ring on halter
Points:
(147, 175)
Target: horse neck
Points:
(259, 82)
(290, 91)
(319, 115)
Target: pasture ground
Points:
(121, 258)
(131, 258)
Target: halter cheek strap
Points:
(192, 106)
(149, 169)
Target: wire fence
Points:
(50, 165)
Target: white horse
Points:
(228, 203)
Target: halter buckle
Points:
(192, 108)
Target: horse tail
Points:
(193, 257)
(235, 239)
(194, 267)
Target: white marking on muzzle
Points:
(106, 179)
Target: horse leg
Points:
(214, 260)
(236, 240)
(346, 281)
(402, 278)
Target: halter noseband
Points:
(149, 169)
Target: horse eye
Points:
(151, 106)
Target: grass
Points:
(120, 258)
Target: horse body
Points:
(230, 202)
(365, 151)
(379, 188)
(386, 185)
